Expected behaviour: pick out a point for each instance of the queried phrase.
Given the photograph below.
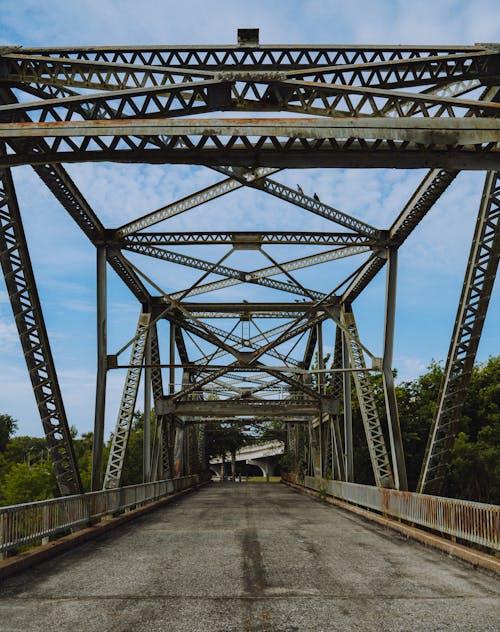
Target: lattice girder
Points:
(121, 435)
(477, 288)
(28, 315)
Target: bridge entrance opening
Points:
(258, 283)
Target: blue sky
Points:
(432, 263)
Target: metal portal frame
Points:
(431, 107)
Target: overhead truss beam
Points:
(245, 240)
(466, 143)
(363, 64)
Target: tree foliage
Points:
(8, 425)
(225, 438)
(29, 482)
(26, 473)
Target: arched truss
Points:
(307, 106)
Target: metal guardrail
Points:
(24, 524)
(478, 523)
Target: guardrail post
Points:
(3, 539)
(46, 522)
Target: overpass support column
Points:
(265, 467)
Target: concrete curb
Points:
(476, 558)
(23, 561)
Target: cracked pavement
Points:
(250, 557)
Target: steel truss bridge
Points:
(293, 107)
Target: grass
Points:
(262, 479)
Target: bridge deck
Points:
(250, 557)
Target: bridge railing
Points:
(31, 522)
(477, 523)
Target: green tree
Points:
(226, 438)
(474, 466)
(473, 470)
(132, 466)
(83, 455)
(417, 403)
(26, 483)
(271, 431)
(8, 425)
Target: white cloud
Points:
(409, 368)
(125, 22)
(8, 336)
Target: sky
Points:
(432, 262)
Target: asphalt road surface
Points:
(250, 557)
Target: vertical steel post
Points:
(391, 405)
(320, 391)
(177, 429)
(146, 444)
(171, 374)
(336, 385)
(100, 393)
(169, 421)
(179, 450)
(157, 450)
(349, 453)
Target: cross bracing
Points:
(346, 107)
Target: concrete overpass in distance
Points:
(265, 456)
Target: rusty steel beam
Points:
(321, 99)
(467, 143)
(234, 408)
(64, 189)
